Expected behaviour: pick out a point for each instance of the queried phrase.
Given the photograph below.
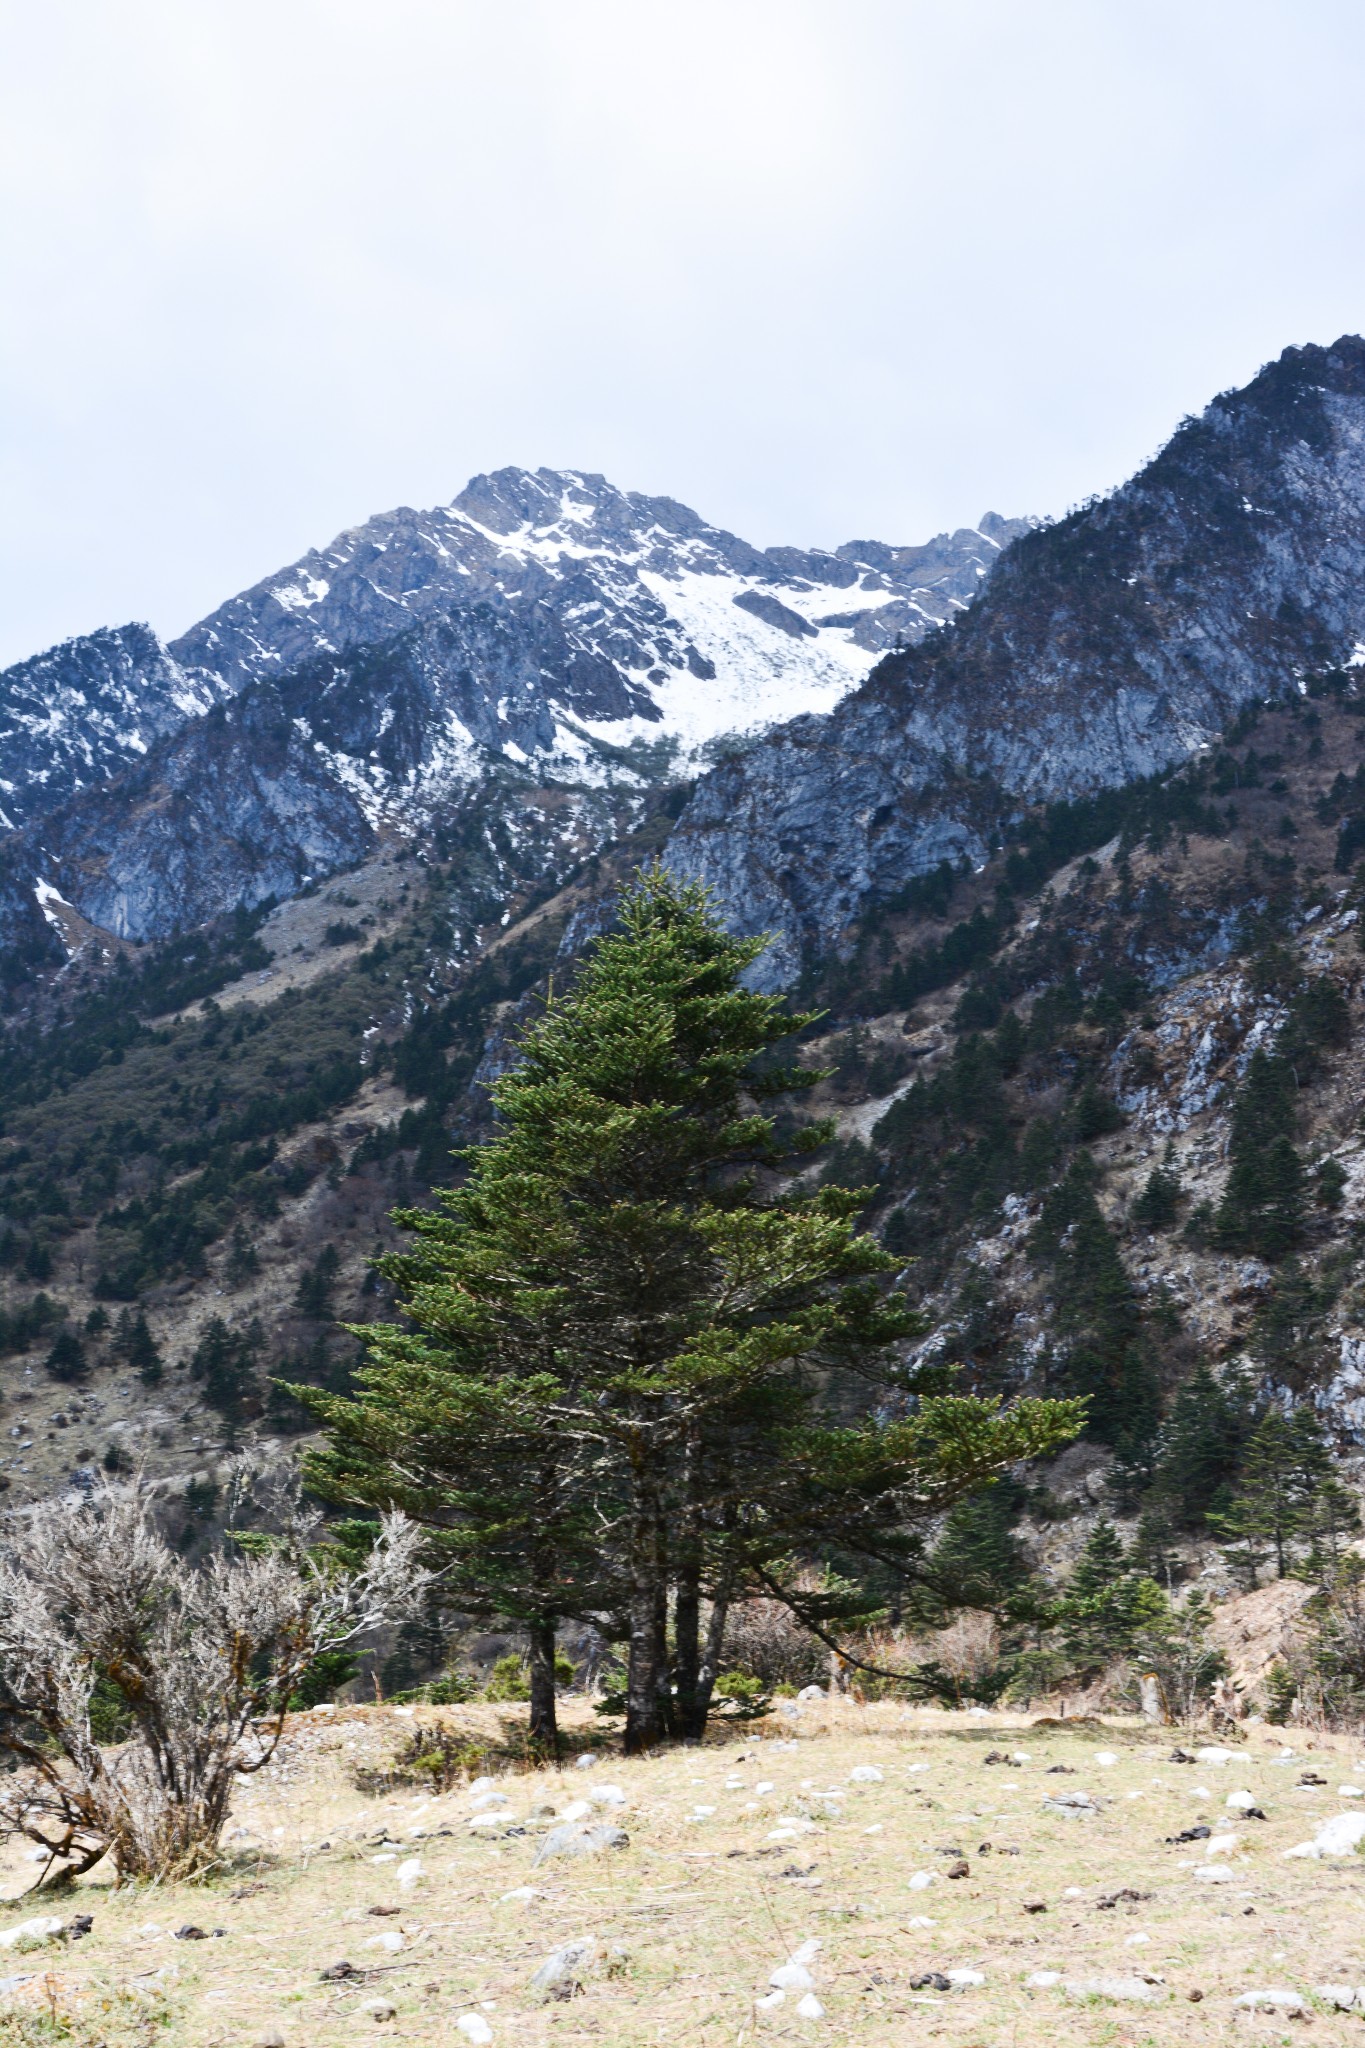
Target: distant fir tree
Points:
(1262, 1210)
(1158, 1205)
(1107, 1605)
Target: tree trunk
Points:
(648, 1704)
(541, 1659)
(710, 1663)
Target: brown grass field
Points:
(692, 1916)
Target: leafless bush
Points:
(195, 1666)
(764, 1638)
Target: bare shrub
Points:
(193, 1666)
(764, 1639)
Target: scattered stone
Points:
(1132, 1990)
(1213, 1873)
(1035, 1906)
(921, 1879)
(1043, 1980)
(966, 1980)
(576, 1840)
(80, 1926)
(1195, 1996)
(809, 2007)
(1339, 1836)
(1199, 1834)
(188, 1933)
(474, 2027)
(791, 1976)
(811, 1692)
(410, 1874)
(995, 1756)
(865, 1774)
(1180, 1756)
(1311, 1778)
(1240, 1802)
(561, 1974)
(337, 1973)
(271, 2038)
(587, 1762)
(1215, 1756)
(930, 1980)
(1126, 1897)
(44, 1928)
(1059, 1771)
(962, 1868)
(380, 2009)
(1104, 1758)
(1271, 2001)
(1072, 1804)
(384, 1912)
(1342, 1997)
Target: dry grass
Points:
(701, 1910)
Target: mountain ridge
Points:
(1114, 643)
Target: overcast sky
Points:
(859, 268)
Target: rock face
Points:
(1109, 646)
(545, 632)
(84, 711)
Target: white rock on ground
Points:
(44, 1928)
(1273, 2000)
(1344, 1997)
(1240, 1802)
(865, 1774)
(1105, 1757)
(922, 1879)
(581, 1841)
(1134, 1990)
(1220, 1845)
(965, 1980)
(411, 1873)
(564, 1965)
(474, 2027)
(1339, 1836)
(1213, 1873)
(1216, 1756)
(586, 1762)
(809, 2007)
(1042, 1980)
(791, 1977)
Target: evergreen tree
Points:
(1158, 1205)
(317, 1285)
(1262, 1209)
(1106, 1358)
(225, 1360)
(242, 1263)
(620, 1326)
(1107, 1605)
(66, 1359)
(1199, 1448)
(1287, 1495)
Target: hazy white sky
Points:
(860, 268)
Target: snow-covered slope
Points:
(539, 654)
(670, 628)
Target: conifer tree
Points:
(620, 1325)
(1107, 1605)
(1262, 1210)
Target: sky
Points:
(822, 271)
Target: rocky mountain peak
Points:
(1110, 645)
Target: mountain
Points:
(85, 710)
(1109, 646)
(544, 631)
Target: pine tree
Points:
(1287, 1494)
(1107, 1605)
(66, 1359)
(1262, 1210)
(243, 1263)
(619, 1327)
(1158, 1206)
(1200, 1448)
